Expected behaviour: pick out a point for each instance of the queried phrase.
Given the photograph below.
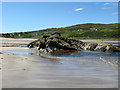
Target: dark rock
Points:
(110, 49)
(1, 53)
(46, 36)
(117, 49)
(100, 48)
(55, 34)
(54, 43)
(90, 46)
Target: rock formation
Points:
(55, 43)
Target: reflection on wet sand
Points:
(73, 70)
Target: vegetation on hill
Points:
(80, 31)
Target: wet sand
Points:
(0, 72)
(23, 71)
(12, 42)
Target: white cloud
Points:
(106, 4)
(109, 5)
(79, 9)
(112, 4)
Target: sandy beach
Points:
(12, 42)
(27, 71)
(0, 72)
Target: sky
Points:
(30, 16)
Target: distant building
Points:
(12, 34)
(94, 29)
(37, 34)
(80, 29)
(19, 35)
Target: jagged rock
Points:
(100, 48)
(55, 34)
(46, 36)
(54, 43)
(90, 46)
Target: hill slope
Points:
(80, 31)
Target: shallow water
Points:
(73, 69)
(20, 52)
(73, 55)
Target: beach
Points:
(13, 42)
(64, 44)
(23, 70)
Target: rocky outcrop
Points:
(55, 43)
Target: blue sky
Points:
(29, 16)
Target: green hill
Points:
(80, 31)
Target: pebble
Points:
(1, 53)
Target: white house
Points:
(94, 29)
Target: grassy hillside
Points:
(80, 31)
